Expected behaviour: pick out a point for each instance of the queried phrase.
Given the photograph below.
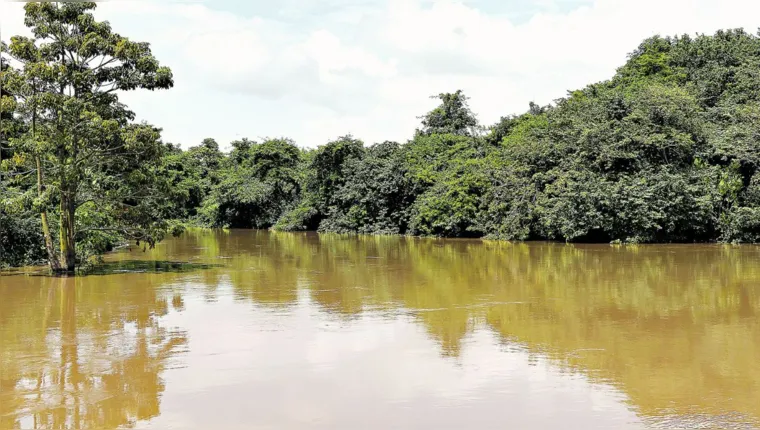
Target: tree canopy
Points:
(92, 167)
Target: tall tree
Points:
(452, 116)
(82, 145)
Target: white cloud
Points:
(368, 67)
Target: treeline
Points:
(665, 151)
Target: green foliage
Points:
(186, 191)
(507, 125)
(376, 194)
(79, 146)
(445, 173)
(257, 185)
(300, 218)
(741, 222)
(453, 116)
(20, 240)
(450, 207)
(326, 175)
(651, 60)
(329, 167)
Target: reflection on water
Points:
(272, 330)
(81, 353)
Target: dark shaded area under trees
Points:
(667, 150)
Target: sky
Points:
(314, 70)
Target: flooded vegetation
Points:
(254, 329)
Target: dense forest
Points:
(666, 150)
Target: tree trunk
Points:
(68, 250)
(53, 262)
(55, 265)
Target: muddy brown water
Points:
(260, 330)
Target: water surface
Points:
(259, 330)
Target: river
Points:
(260, 330)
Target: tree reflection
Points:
(673, 326)
(91, 359)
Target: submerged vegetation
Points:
(667, 150)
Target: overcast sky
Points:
(313, 70)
